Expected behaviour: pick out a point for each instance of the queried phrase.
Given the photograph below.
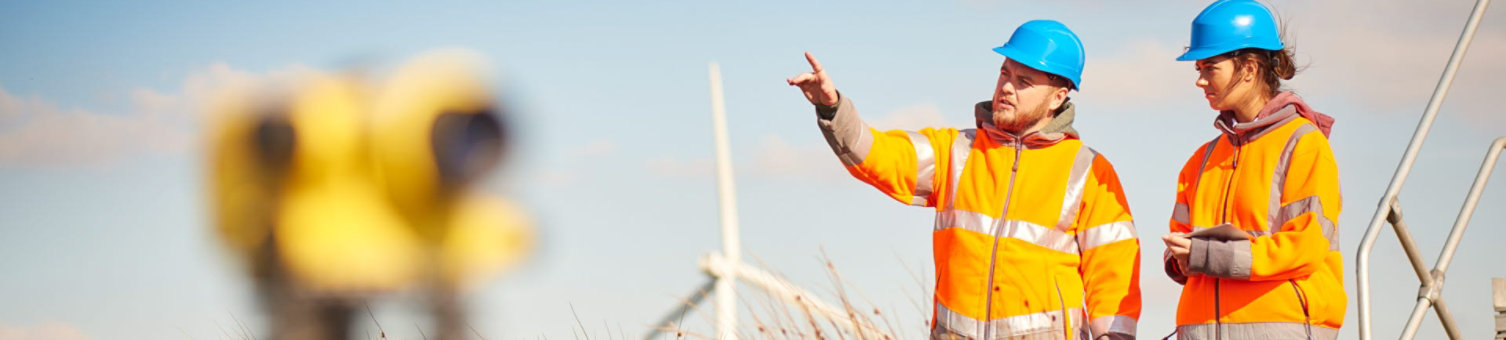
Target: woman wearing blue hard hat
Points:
(1254, 236)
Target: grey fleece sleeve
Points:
(1171, 268)
(848, 136)
(1226, 259)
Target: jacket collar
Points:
(1282, 108)
(1059, 129)
(1241, 133)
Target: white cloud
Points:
(674, 167)
(772, 157)
(595, 147)
(568, 169)
(1140, 71)
(776, 157)
(49, 330)
(35, 131)
(1387, 57)
(912, 118)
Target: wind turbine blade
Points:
(676, 318)
(794, 295)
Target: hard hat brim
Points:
(1024, 59)
(1198, 54)
(1210, 51)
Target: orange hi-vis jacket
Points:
(1275, 179)
(1033, 237)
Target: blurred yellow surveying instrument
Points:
(332, 191)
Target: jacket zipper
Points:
(994, 254)
(1229, 184)
(1218, 313)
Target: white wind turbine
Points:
(727, 266)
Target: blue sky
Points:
(103, 227)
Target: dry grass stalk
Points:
(777, 318)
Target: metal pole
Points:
(1408, 245)
(1418, 312)
(726, 296)
(1468, 210)
(1363, 258)
(1448, 318)
(1405, 166)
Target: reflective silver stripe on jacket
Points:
(925, 168)
(1279, 213)
(1312, 204)
(1050, 324)
(961, 148)
(1179, 213)
(1106, 233)
(1077, 181)
(1044, 236)
(1254, 330)
(1113, 324)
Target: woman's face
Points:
(1222, 87)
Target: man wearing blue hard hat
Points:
(1033, 237)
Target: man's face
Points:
(1023, 97)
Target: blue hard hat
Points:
(1229, 25)
(1048, 46)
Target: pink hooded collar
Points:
(1280, 109)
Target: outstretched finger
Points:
(815, 65)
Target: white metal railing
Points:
(1389, 210)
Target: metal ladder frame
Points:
(1389, 210)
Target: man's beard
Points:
(1020, 121)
